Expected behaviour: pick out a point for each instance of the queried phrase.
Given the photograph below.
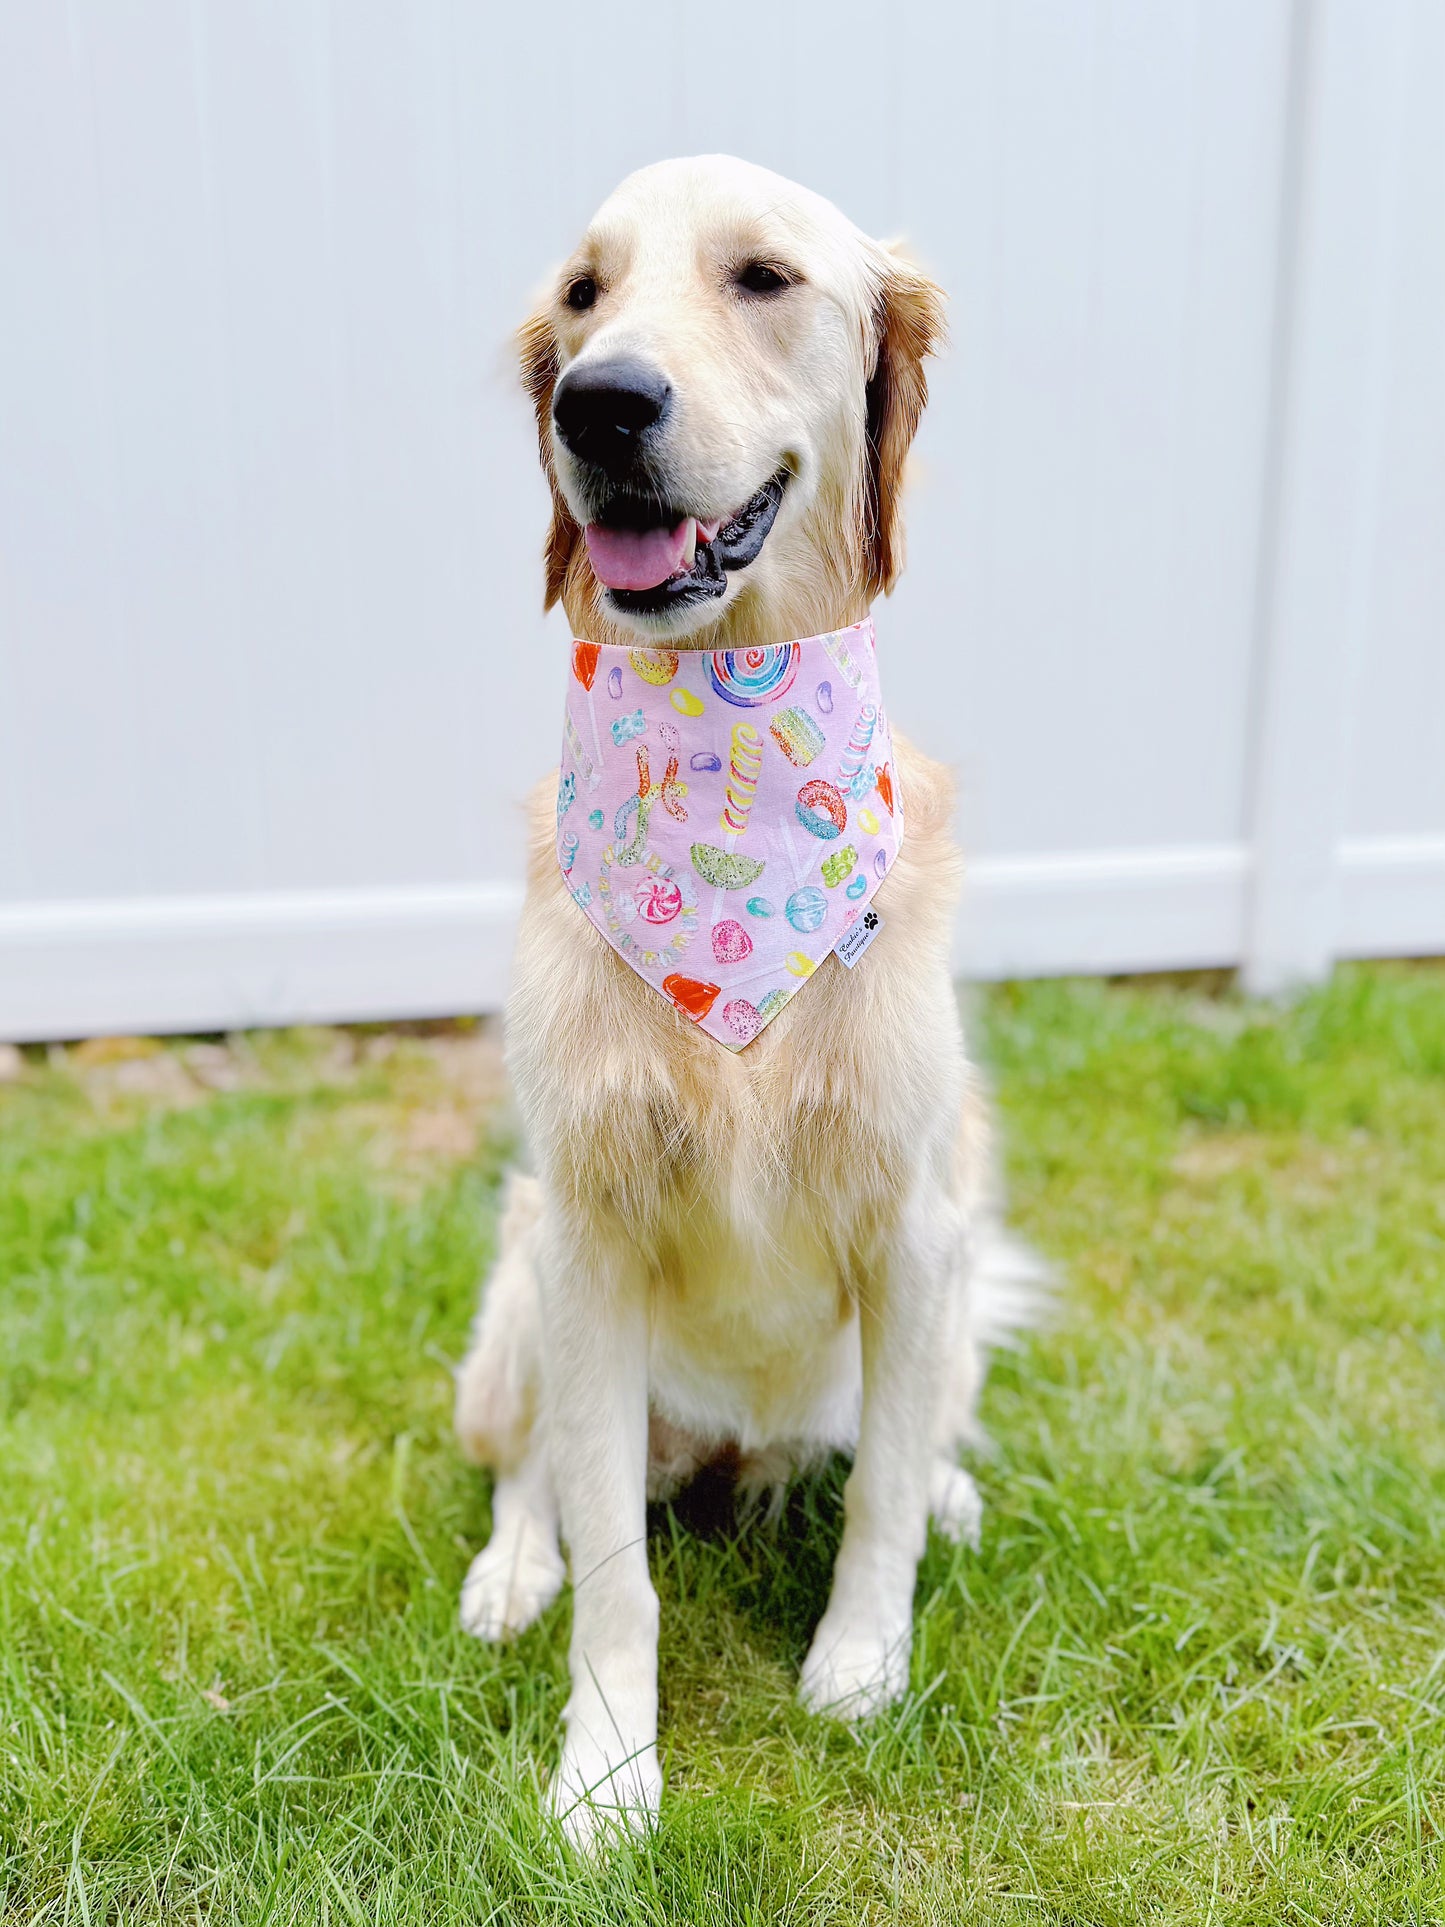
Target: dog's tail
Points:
(1011, 1288)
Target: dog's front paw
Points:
(596, 1801)
(855, 1667)
(509, 1584)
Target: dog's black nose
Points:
(603, 410)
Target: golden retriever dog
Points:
(778, 1252)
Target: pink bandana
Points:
(725, 816)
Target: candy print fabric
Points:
(723, 816)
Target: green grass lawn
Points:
(1196, 1673)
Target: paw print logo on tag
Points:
(857, 937)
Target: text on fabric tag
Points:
(857, 937)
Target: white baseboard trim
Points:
(222, 962)
(1111, 910)
(159, 964)
(1392, 896)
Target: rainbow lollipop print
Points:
(748, 677)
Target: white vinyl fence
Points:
(273, 675)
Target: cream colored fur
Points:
(777, 1251)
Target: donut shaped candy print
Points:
(657, 666)
(821, 809)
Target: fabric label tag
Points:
(857, 937)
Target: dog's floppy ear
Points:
(909, 324)
(537, 348)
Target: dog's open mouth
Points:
(653, 560)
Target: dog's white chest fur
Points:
(754, 1335)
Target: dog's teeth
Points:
(689, 547)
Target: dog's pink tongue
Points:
(629, 559)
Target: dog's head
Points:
(727, 376)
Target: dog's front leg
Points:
(595, 1305)
(858, 1661)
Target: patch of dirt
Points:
(1218, 1155)
(442, 1093)
(1301, 1169)
(424, 1094)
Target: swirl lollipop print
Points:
(748, 677)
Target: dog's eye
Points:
(758, 278)
(582, 293)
